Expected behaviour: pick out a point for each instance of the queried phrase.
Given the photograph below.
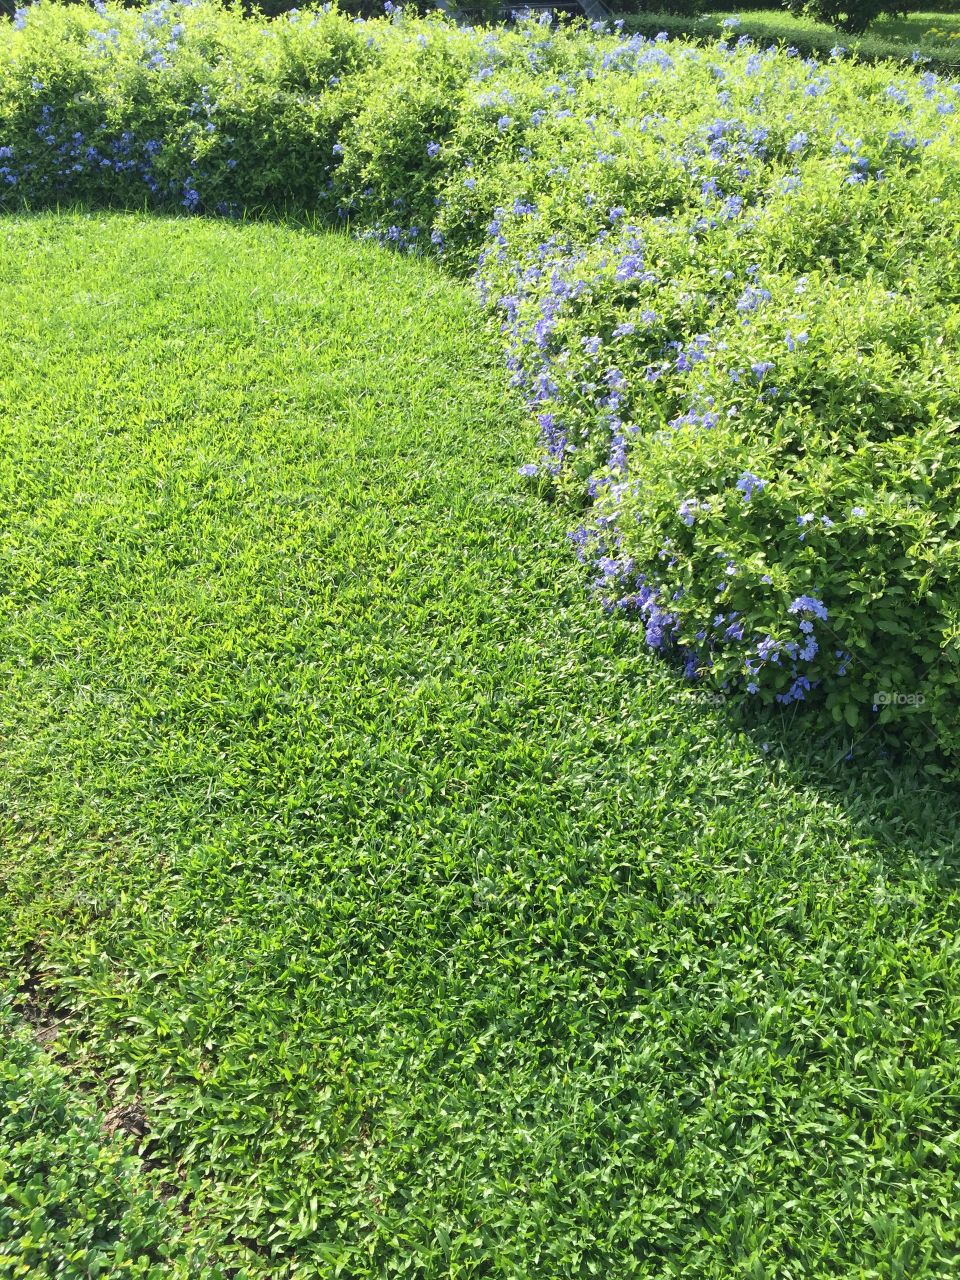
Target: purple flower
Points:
(809, 604)
(748, 484)
(768, 650)
(433, 149)
(751, 298)
(809, 650)
(796, 692)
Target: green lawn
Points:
(932, 34)
(438, 928)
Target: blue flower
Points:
(748, 484)
(751, 298)
(797, 691)
(809, 650)
(809, 604)
(768, 650)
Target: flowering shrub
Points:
(726, 280)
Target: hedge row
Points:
(727, 279)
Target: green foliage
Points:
(831, 191)
(73, 1203)
(678, 8)
(440, 932)
(853, 16)
(933, 37)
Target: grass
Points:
(72, 1201)
(933, 34)
(438, 930)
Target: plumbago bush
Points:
(727, 281)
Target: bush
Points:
(727, 280)
(852, 16)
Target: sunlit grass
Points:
(931, 34)
(439, 930)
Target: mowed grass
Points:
(438, 928)
(934, 35)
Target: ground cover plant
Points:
(437, 926)
(434, 926)
(73, 1202)
(726, 278)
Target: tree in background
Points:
(852, 16)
